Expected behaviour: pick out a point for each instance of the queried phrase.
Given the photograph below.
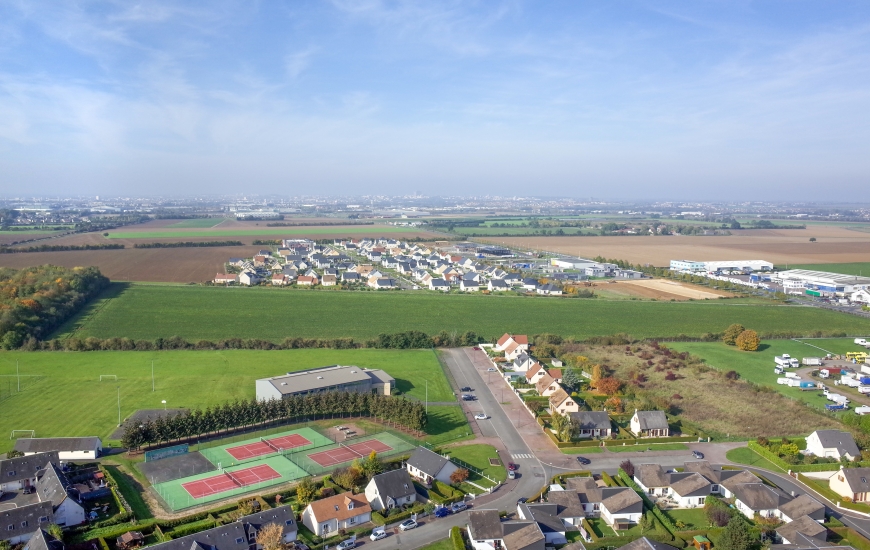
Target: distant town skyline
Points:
(636, 101)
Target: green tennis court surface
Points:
(345, 449)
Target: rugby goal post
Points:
(108, 377)
(31, 432)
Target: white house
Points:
(249, 278)
(390, 490)
(853, 483)
(486, 531)
(591, 423)
(546, 386)
(428, 466)
(649, 424)
(53, 486)
(520, 339)
(561, 402)
(832, 444)
(326, 516)
(68, 448)
(20, 472)
(468, 286)
(758, 498)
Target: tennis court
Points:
(248, 450)
(227, 481)
(345, 453)
(267, 445)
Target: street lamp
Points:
(164, 404)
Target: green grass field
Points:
(858, 268)
(62, 396)
(288, 231)
(756, 366)
(745, 455)
(199, 222)
(145, 311)
(831, 345)
(478, 457)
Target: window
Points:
(352, 520)
(23, 524)
(288, 522)
(43, 519)
(11, 473)
(240, 540)
(325, 528)
(10, 528)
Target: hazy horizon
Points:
(720, 101)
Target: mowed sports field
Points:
(144, 311)
(62, 395)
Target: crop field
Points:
(339, 230)
(855, 268)
(144, 311)
(61, 394)
(781, 246)
(199, 222)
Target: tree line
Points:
(58, 248)
(35, 300)
(394, 410)
(189, 244)
(403, 340)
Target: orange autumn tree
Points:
(609, 386)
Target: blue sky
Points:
(691, 100)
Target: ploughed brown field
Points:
(659, 289)
(780, 246)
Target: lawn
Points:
(756, 366)
(693, 519)
(651, 446)
(199, 222)
(61, 394)
(443, 544)
(857, 268)
(478, 457)
(745, 455)
(830, 345)
(145, 311)
(371, 230)
(447, 424)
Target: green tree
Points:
(646, 522)
(372, 465)
(571, 379)
(731, 334)
(55, 531)
(306, 491)
(736, 535)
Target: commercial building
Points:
(326, 379)
(823, 281)
(687, 265)
(745, 266)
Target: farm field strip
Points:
(214, 313)
(62, 395)
(288, 231)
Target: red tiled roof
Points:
(336, 507)
(504, 339)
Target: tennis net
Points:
(351, 450)
(234, 479)
(266, 441)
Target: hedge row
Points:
(855, 539)
(379, 519)
(665, 520)
(620, 442)
(190, 528)
(456, 538)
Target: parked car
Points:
(491, 369)
(522, 500)
(698, 454)
(407, 525)
(583, 460)
(442, 512)
(458, 507)
(512, 474)
(466, 388)
(467, 397)
(378, 533)
(477, 348)
(480, 416)
(347, 544)
(512, 467)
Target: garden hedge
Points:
(456, 538)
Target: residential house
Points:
(548, 520)
(546, 386)
(535, 373)
(428, 466)
(802, 506)
(591, 423)
(382, 283)
(561, 402)
(832, 444)
(68, 448)
(513, 350)
(306, 280)
(687, 489)
(803, 533)
(497, 285)
(328, 280)
(556, 374)
(758, 498)
(53, 486)
(42, 540)
(226, 279)
(390, 490)
(21, 472)
(851, 483)
(237, 535)
(326, 516)
(280, 279)
(512, 279)
(530, 284)
(17, 524)
(439, 284)
(468, 286)
(652, 479)
(619, 507)
(259, 260)
(649, 424)
(350, 277)
(549, 289)
(486, 531)
(523, 362)
(249, 278)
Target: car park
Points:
(407, 525)
(583, 460)
(480, 416)
(698, 454)
(458, 507)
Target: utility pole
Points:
(18, 375)
(119, 406)
(152, 375)
(427, 397)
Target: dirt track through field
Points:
(780, 246)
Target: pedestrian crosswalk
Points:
(520, 455)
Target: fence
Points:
(469, 467)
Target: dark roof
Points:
(758, 496)
(53, 485)
(523, 536)
(803, 505)
(591, 420)
(804, 525)
(232, 536)
(842, 441)
(544, 515)
(690, 484)
(41, 540)
(46, 444)
(652, 475)
(426, 461)
(394, 484)
(857, 478)
(25, 467)
(644, 543)
(714, 475)
(484, 525)
(652, 420)
(30, 513)
(621, 499)
(568, 504)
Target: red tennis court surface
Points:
(346, 453)
(222, 482)
(259, 448)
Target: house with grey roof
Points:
(42, 540)
(803, 532)
(832, 444)
(428, 466)
(68, 448)
(238, 535)
(20, 472)
(591, 423)
(18, 523)
(644, 543)
(619, 507)
(548, 520)
(853, 483)
(758, 498)
(486, 531)
(53, 486)
(800, 506)
(390, 490)
(649, 424)
(335, 378)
